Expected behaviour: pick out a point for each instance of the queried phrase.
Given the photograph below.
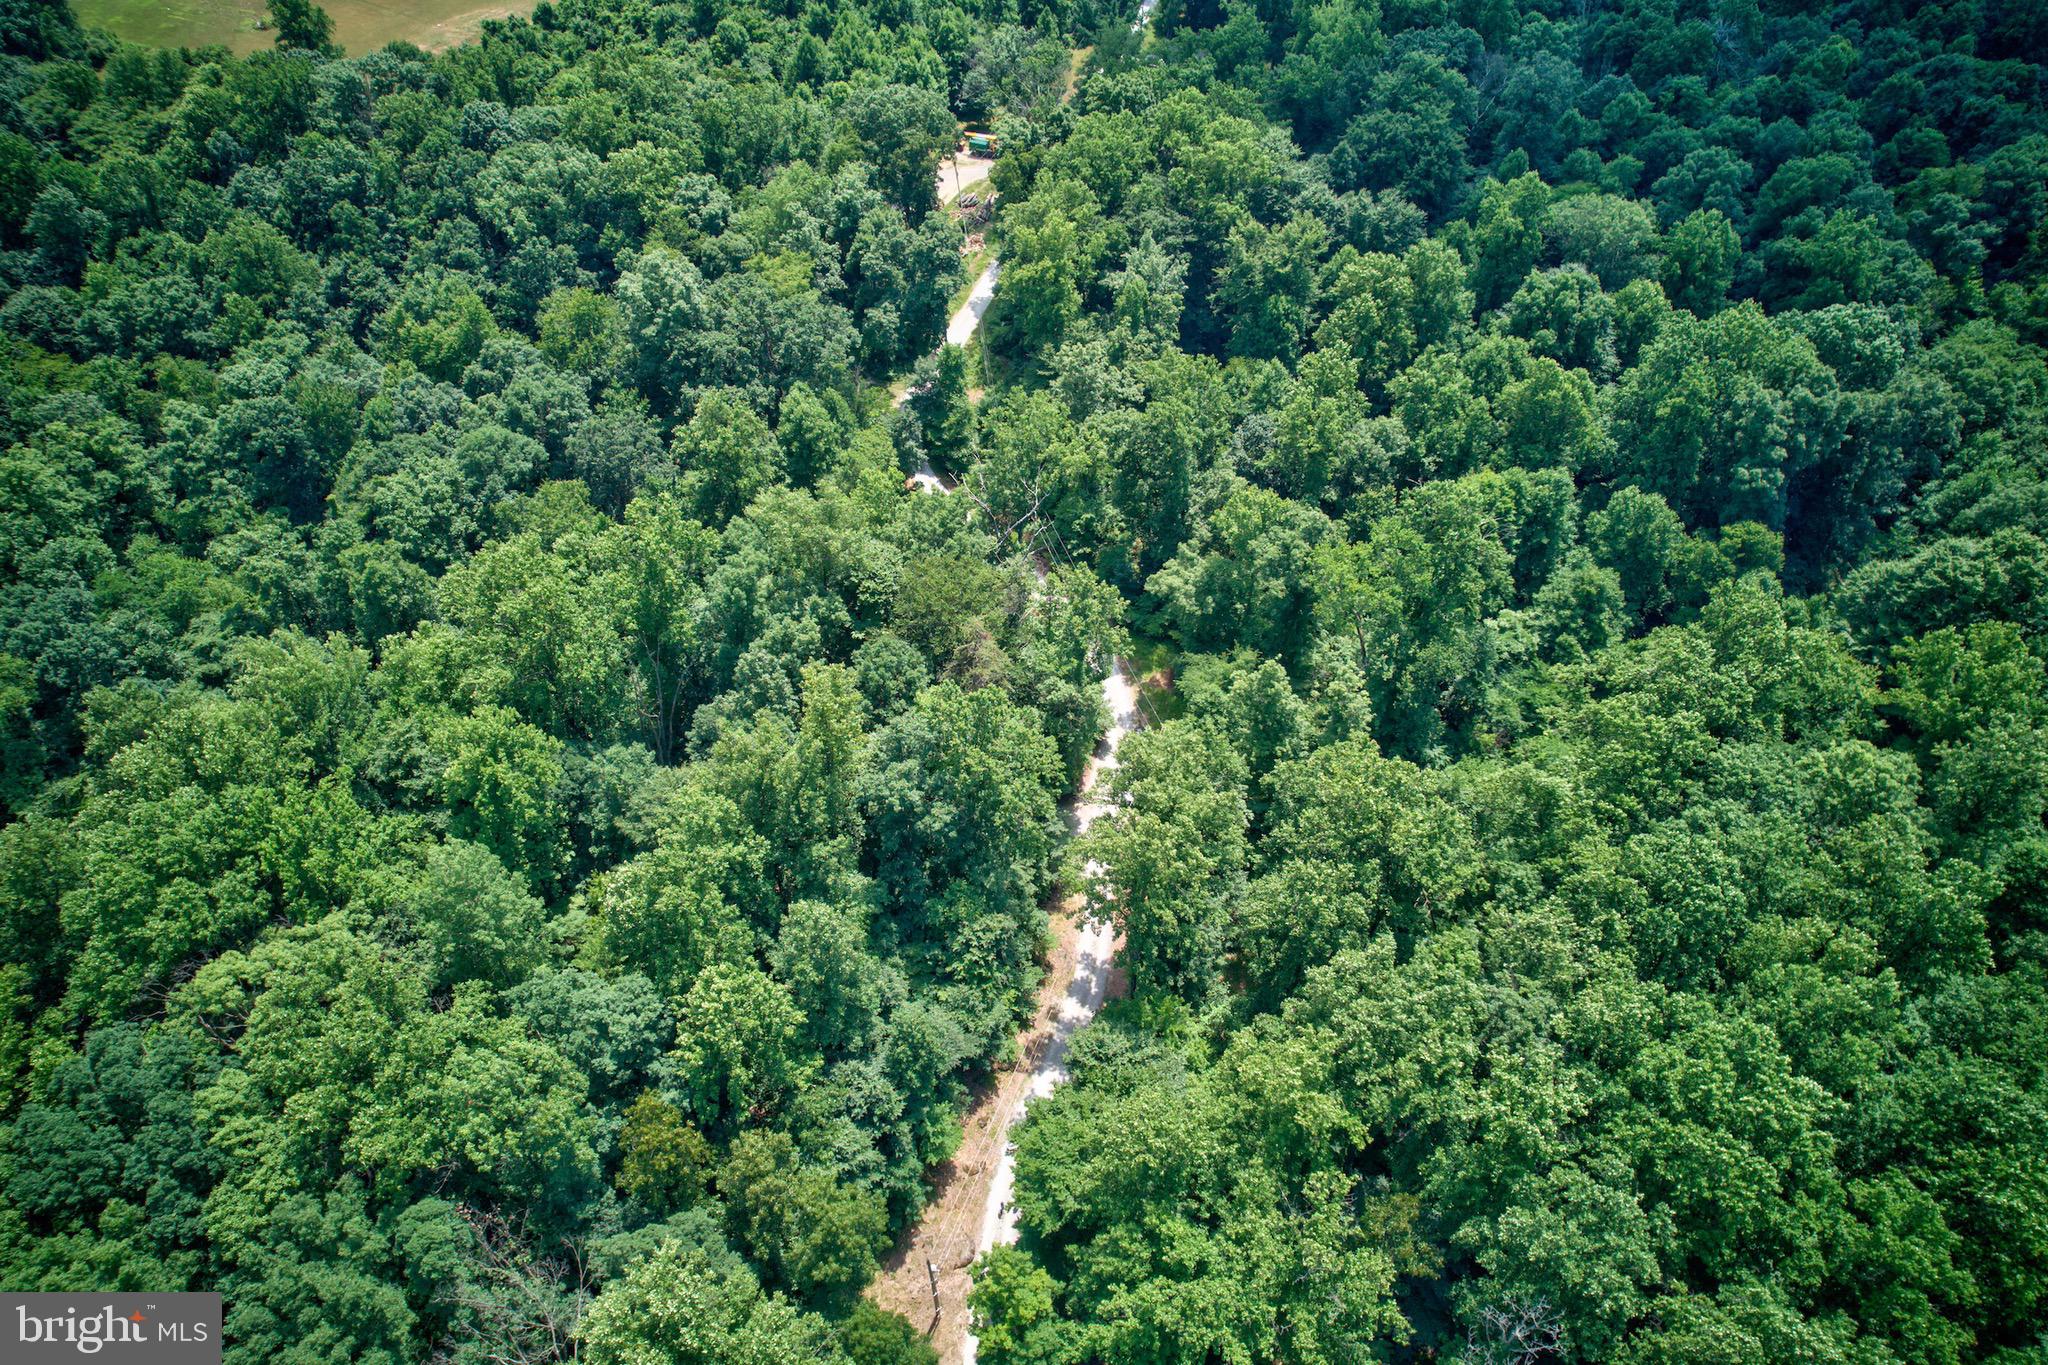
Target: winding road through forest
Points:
(970, 1210)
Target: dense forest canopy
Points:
(520, 833)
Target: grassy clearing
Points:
(973, 263)
(359, 25)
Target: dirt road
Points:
(970, 1208)
(960, 330)
(1089, 983)
(958, 174)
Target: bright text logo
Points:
(160, 1329)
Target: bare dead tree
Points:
(520, 1306)
(1515, 1331)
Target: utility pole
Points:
(933, 1271)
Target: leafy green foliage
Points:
(1594, 525)
(494, 795)
(504, 790)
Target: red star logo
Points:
(136, 1316)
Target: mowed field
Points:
(359, 25)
